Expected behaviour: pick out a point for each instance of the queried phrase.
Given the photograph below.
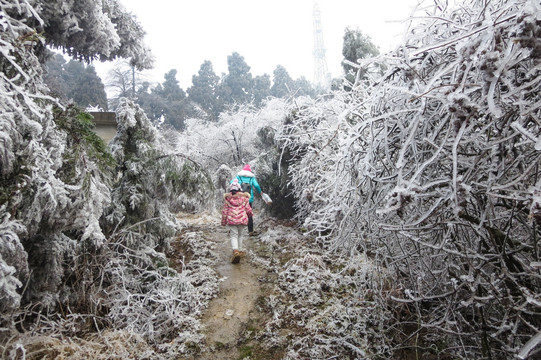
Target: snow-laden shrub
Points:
(341, 327)
(135, 291)
(323, 305)
(51, 189)
(304, 279)
(312, 137)
(275, 235)
(104, 346)
(153, 184)
(144, 295)
(432, 169)
(241, 135)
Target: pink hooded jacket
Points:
(236, 209)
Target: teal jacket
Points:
(245, 176)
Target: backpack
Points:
(246, 187)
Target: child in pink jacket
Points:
(235, 215)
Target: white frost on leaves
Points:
(57, 191)
(233, 139)
(90, 30)
(11, 250)
(535, 139)
(327, 298)
(425, 165)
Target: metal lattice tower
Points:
(322, 77)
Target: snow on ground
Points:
(311, 303)
(321, 303)
(288, 299)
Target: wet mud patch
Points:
(233, 317)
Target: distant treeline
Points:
(167, 102)
(209, 95)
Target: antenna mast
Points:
(322, 77)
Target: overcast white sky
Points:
(183, 34)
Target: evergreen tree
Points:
(238, 80)
(93, 93)
(171, 89)
(83, 85)
(303, 87)
(54, 75)
(282, 83)
(203, 91)
(73, 74)
(73, 81)
(172, 100)
(356, 46)
(150, 102)
(261, 89)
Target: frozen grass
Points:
(321, 304)
(154, 309)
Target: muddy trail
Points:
(234, 316)
(289, 298)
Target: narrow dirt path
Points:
(289, 298)
(232, 311)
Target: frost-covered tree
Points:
(124, 80)
(91, 30)
(356, 46)
(244, 135)
(82, 231)
(47, 179)
(433, 169)
(235, 139)
(153, 183)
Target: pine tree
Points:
(238, 80)
(356, 46)
(282, 84)
(203, 91)
(173, 100)
(82, 85)
(54, 75)
(261, 89)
